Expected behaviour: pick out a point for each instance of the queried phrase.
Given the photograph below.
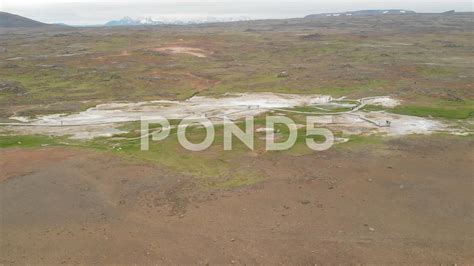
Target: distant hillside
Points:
(365, 13)
(8, 20)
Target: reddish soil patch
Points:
(19, 162)
(182, 50)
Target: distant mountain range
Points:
(365, 13)
(8, 20)
(128, 21)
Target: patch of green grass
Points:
(439, 109)
(211, 166)
(31, 141)
(441, 112)
(211, 163)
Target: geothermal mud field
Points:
(103, 120)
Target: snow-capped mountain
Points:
(365, 13)
(125, 21)
(128, 21)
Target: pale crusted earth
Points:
(103, 120)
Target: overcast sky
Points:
(89, 12)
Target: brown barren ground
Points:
(409, 201)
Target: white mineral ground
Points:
(104, 119)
